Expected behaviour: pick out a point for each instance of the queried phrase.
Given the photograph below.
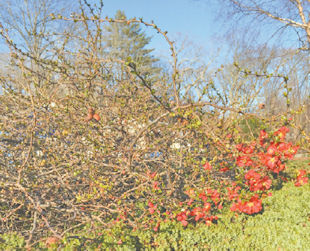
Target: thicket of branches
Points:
(61, 168)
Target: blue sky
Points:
(189, 18)
(195, 20)
(198, 20)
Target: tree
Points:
(127, 42)
(291, 14)
(29, 24)
(35, 33)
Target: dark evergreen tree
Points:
(128, 42)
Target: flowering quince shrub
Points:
(258, 165)
(90, 141)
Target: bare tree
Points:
(290, 14)
(30, 25)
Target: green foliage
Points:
(11, 241)
(250, 127)
(298, 164)
(295, 165)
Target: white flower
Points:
(39, 153)
(175, 146)
(131, 130)
(89, 154)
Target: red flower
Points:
(156, 227)
(203, 196)
(251, 174)
(283, 147)
(151, 175)
(152, 207)
(249, 149)
(190, 202)
(272, 150)
(182, 217)
(280, 168)
(262, 137)
(210, 219)
(207, 207)
(207, 166)
(198, 213)
(271, 162)
(301, 181)
(302, 172)
(92, 115)
(301, 178)
(233, 192)
(220, 206)
(155, 185)
(261, 106)
(254, 205)
(291, 152)
(215, 196)
(235, 207)
(243, 161)
(246, 149)
(239, 147)
(224, 169)
(96, 117)
(281, 133)
(265, 183)
(256, 182)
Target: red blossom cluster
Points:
(302, 178)
(182, 217)
(270, 154)
(233, 191)
(254, 205)
(281, 133)
(259, 162)
(263, 136)
(204, 198)
(256, 181)
(152, 207)
(197, 213)
(244, 161)
(207, 166)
